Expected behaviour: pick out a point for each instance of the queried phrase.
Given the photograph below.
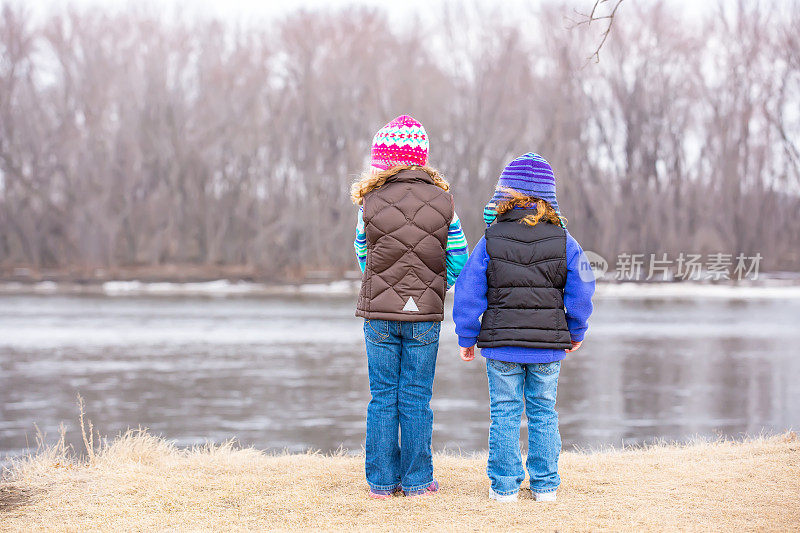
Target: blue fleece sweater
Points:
(470, 303)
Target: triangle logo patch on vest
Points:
(411, 305)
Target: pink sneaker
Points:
(383, 494)
(430, 490)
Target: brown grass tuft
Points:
(141, 482)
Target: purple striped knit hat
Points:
(529, 174)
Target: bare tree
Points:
(128, 140)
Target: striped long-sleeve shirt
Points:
(456, 251)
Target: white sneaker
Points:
(503, 498)
(544, 496)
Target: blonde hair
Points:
(371, 180)
(544, 211)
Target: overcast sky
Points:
(264, 9)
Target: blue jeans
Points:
(514, 387)
(401, 358)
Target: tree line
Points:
(135, 138)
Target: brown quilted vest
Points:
(406, 222)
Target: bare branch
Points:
(593, 16)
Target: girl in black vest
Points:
(524, 297)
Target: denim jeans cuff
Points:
(373, 486)
(506, 492)
(544, 491)
(418, 488)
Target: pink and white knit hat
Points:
(402, 141)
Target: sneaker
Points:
(504, 498)
(544, 496)
(431, 489)
(383, 494)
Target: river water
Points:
(290, 372)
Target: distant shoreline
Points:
(767, 288)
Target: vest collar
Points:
(411, 175)
(515, 214)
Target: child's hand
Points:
(468, 354)
(575, 346)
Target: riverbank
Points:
(141, 482)
(766, 289)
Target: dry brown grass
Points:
(140, 482)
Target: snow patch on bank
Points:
(220, 287)
(772, 289)
(224, 287)
(695, 290)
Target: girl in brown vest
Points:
(411, 248)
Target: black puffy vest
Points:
(526, 274)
